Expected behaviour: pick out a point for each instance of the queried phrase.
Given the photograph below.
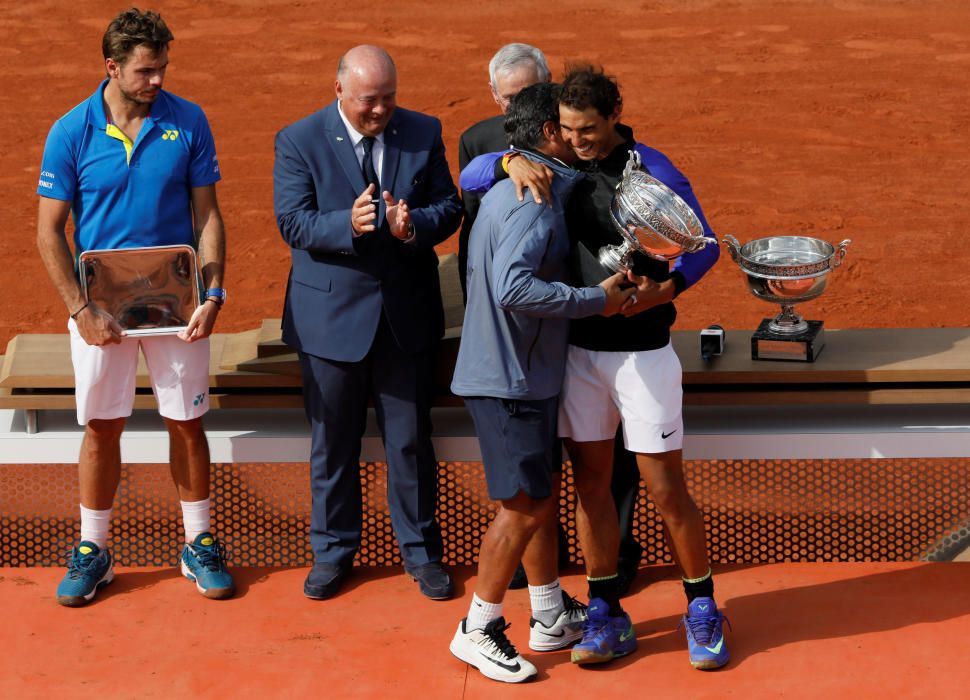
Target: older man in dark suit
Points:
(512, 68)
(362, 195)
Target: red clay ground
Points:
(831, 118)
(800, 631)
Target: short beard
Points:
(134, 99)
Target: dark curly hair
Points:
(134, 28)
(528, 111)
(586, 86)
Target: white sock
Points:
(196, 518)
(481, 613)
(94, 526)
(546, 602)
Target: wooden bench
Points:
(873, 392)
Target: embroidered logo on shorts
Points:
(199, 399)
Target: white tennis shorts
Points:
(104, 377)
(641, 389)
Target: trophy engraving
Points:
(787, 270)
(652, 218)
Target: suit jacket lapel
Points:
(339, 141)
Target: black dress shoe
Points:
(433, 580)
(324, 580)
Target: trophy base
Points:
(799, 347)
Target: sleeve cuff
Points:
(500, 173)
(680, 283)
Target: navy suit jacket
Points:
(339, 284)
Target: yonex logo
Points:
(170, 135)
(199, 399)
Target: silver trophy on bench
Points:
(787, 270)
(652, 218)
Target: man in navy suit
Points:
(362, 194)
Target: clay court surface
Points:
(801, 631)
(835, 119)
(826, 118)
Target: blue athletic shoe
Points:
(604, 637)
(87, 571)
(203, 561)
(705, 634)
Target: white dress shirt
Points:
(377, 152)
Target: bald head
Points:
(367, 88)
(365, 58)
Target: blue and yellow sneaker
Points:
(604, 637)
(705, 634)
(88, 570)
(203, 561)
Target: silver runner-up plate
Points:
(149, 291)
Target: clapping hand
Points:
(398, 217)
(363, 214)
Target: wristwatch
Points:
(216, 294)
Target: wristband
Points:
(507, 158)
(76, 313)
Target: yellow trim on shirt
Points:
(116, 133)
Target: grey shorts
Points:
(519, 446)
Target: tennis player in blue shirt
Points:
(137, 167)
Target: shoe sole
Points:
(77, 601)
(710, 664)
(592, 659)
(210, 593)
(487, 671)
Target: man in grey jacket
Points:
(510, 369)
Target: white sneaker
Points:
(491, 652)
(566, 630)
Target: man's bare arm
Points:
(96, 326)
(210, 233)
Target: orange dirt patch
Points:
(834, 118)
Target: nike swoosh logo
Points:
(716, 649)
(514, 668)
(550, 634)
(664, 436)
(626, 635)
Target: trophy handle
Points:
(840, 252)
(733, 247)
(633, 163)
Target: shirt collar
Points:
(99, 119)
(355, 136)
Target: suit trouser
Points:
(335, 398)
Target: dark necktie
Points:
(367, 165)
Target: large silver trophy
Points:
(787, 270)
(652, 219)
(149, 291)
